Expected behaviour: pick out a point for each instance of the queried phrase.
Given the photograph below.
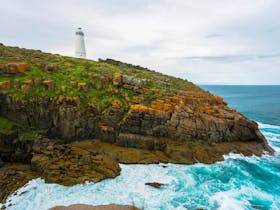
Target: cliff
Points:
(123, 113)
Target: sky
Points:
(204, 41)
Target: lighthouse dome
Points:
(80, 32)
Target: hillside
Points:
(101, 80)
(70, 120)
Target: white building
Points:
(80, 50)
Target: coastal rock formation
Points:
(187, 117)
(72, 120)
(68, 165)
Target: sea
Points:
(238, 182)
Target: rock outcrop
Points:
(68, 165)
(186, 117)
(74, 120)
(14, 68)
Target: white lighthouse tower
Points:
(80, 50)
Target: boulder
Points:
(14, 68)
(117, 80)
(26, 86)
(82, 86)
(49, 84)
(133, 81)
(154, 184)
(5, 85)
(50, 67)
(37, 81)
(73, 83)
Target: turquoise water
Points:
(259, 103)
(237, 183)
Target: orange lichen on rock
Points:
(5, 85)
(218, 99)
(162, 105)
(106, 128)
(13, 68)
(116, 104)
(143, 108)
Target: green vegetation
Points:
(27, 134)
(98, 77)
(5, 126)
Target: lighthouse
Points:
(80, 50)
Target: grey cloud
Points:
(209, 36)
(230, 58)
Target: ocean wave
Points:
(263, 125)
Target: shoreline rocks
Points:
(90, 207)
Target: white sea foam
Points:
(263, 125)
(236, 199)
(226, 201)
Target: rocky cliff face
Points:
(186, 117)
(90, 115)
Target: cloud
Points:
(210, 36)
(186, 38)
(232, 58)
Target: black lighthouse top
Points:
(79, 32)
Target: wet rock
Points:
(68, 165)
(13, 176)
(155, 184)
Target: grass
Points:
(97, 75)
